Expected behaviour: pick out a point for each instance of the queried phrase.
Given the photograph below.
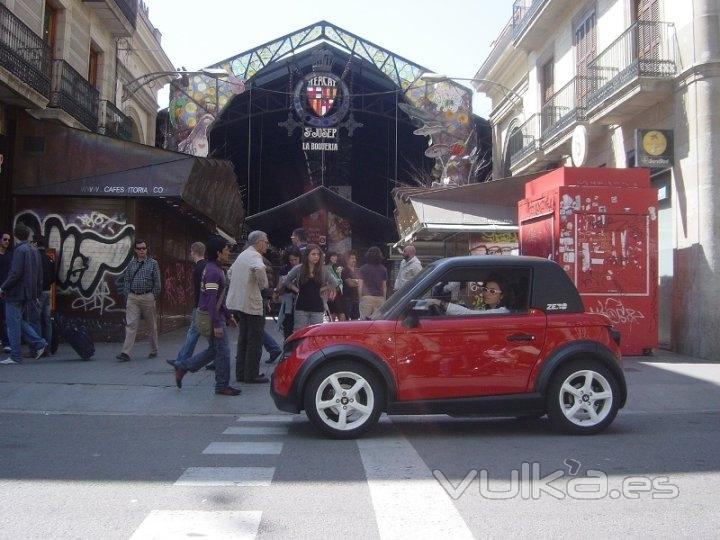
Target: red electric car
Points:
(438, 346)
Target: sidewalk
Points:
(665, 382)
(64, 383)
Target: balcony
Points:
(72, 93)
(114, 123)
(27, 59)
(634, 73)
(120, 16)
(524, 143)
(563, 110)
(535, 20)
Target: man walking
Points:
(141, 283)
(197, 254)
(409, 267)
(299, 239)
(247, 279)
(212, 295)
(49, 277)
(21, 288)
(5, 262)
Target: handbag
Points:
(202, 319)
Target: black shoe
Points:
(179, 374)
(123, 357)
(152, 355)
(228, 391)
(260, 379)
(273, 357)
(210, 367)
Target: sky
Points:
(451, 37)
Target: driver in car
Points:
(492, 297)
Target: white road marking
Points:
(226, 476)
(266, 418)
(244, 448)
(256, 430)
(184, 524)
(408, 501)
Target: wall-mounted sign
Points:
(579, 145)
(321, 99)
(320, 139)
(654, 148)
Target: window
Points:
(547, 91)
(480, 291)
(93, 64)
(585, 38)
(50, 26)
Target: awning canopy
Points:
(374, 225)
(99, 166)
(438, 213)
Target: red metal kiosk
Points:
(600, 225)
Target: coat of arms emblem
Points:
(321, 93)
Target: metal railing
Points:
(525, 139)
(113, 122)
(23, 53)
(129, 9)
(523, 12)
(72, 93)
(566, 106)
(645, 49)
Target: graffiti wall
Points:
(92, 249)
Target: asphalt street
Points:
(107, 450)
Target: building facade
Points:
(621, 83)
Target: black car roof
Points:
(552, 289)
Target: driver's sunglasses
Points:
(491, 291)
(6, 239)
(141, 248)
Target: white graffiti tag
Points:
(101, 300)
(617, 312)
(101, 222)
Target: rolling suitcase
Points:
(79, 339)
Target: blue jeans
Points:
(218, 351)
(3, 326)
(45, 316)
(191, 339)
(17, 327)
(270, 344)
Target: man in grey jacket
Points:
(21, 289)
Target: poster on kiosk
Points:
(600, 225)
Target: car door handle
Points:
(521, 337)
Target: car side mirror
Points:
(416, 309)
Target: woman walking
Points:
(310, 281)
(335, 302)
(351, 282)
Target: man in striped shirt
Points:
(141, 284)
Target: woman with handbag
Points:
(310, 281)
(211, 320)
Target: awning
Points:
(99, 166)
(289, 213)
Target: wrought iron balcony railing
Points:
(646, 49)
(72, 93)
(23, 53)
(566, 106)
(525, 139)
(523, 13)
(113, 122)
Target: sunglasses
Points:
(140, 249)
(5, 239)
(491, 291)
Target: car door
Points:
(469, 354)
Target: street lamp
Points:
(133, 86)
(438, 77)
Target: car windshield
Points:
(391, 302)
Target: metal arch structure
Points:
(245, 65)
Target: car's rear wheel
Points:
(344, 399)
(583, 398)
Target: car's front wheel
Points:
(344, 399)
(583, 398)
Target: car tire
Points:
(583, 397)
(350, 385)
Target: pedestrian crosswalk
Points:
(211, 525)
